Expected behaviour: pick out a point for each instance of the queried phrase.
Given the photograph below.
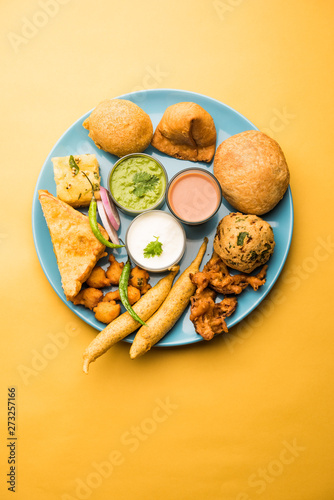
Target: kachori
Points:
(252, 171)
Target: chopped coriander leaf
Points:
(267, 248)
(143, 182)
(153, 248)
(241, 237)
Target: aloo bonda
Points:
(119, 127)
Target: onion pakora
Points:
(215, 275)
(208, 316)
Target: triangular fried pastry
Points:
(77, 249)
(186, 131)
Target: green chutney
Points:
(137, 183)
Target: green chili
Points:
(93, 220)
(73, 165)
(123, 292)
(95, 227)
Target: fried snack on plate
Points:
(133, 295)
(209, 317)
(106, 312)
(125, 324)
(216, 275)
(139, 279)
(98, 278)
(77, 249)
(186, 131)
(252, 171)
(119, 127)
(72, 186)
(244, 242)
(88, 297)
(114, 271)
(170, 311)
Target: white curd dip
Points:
(149, 226)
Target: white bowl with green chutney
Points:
(138, 182)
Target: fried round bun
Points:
(186, 131)
(119, 127)
(244, 242)
(252, 171)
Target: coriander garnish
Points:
(144, 182)
(153, 248)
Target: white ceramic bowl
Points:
(148, 226)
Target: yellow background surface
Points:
(244, 419)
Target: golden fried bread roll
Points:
(244, 242)
(119, 127)
(186, 131)
(252, 171)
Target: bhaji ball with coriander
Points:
(244, 242)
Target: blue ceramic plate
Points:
(228, 122)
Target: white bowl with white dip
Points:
(152, 226)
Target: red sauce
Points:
(194, 196)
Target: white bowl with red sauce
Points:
(193, 196)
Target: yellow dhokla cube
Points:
(73, 187)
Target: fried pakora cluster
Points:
(139, 279)
(207, 315)
(106, 307)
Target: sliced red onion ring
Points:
(110, 208)
(106, 224)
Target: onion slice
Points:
(110, 208)
(106, 224)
